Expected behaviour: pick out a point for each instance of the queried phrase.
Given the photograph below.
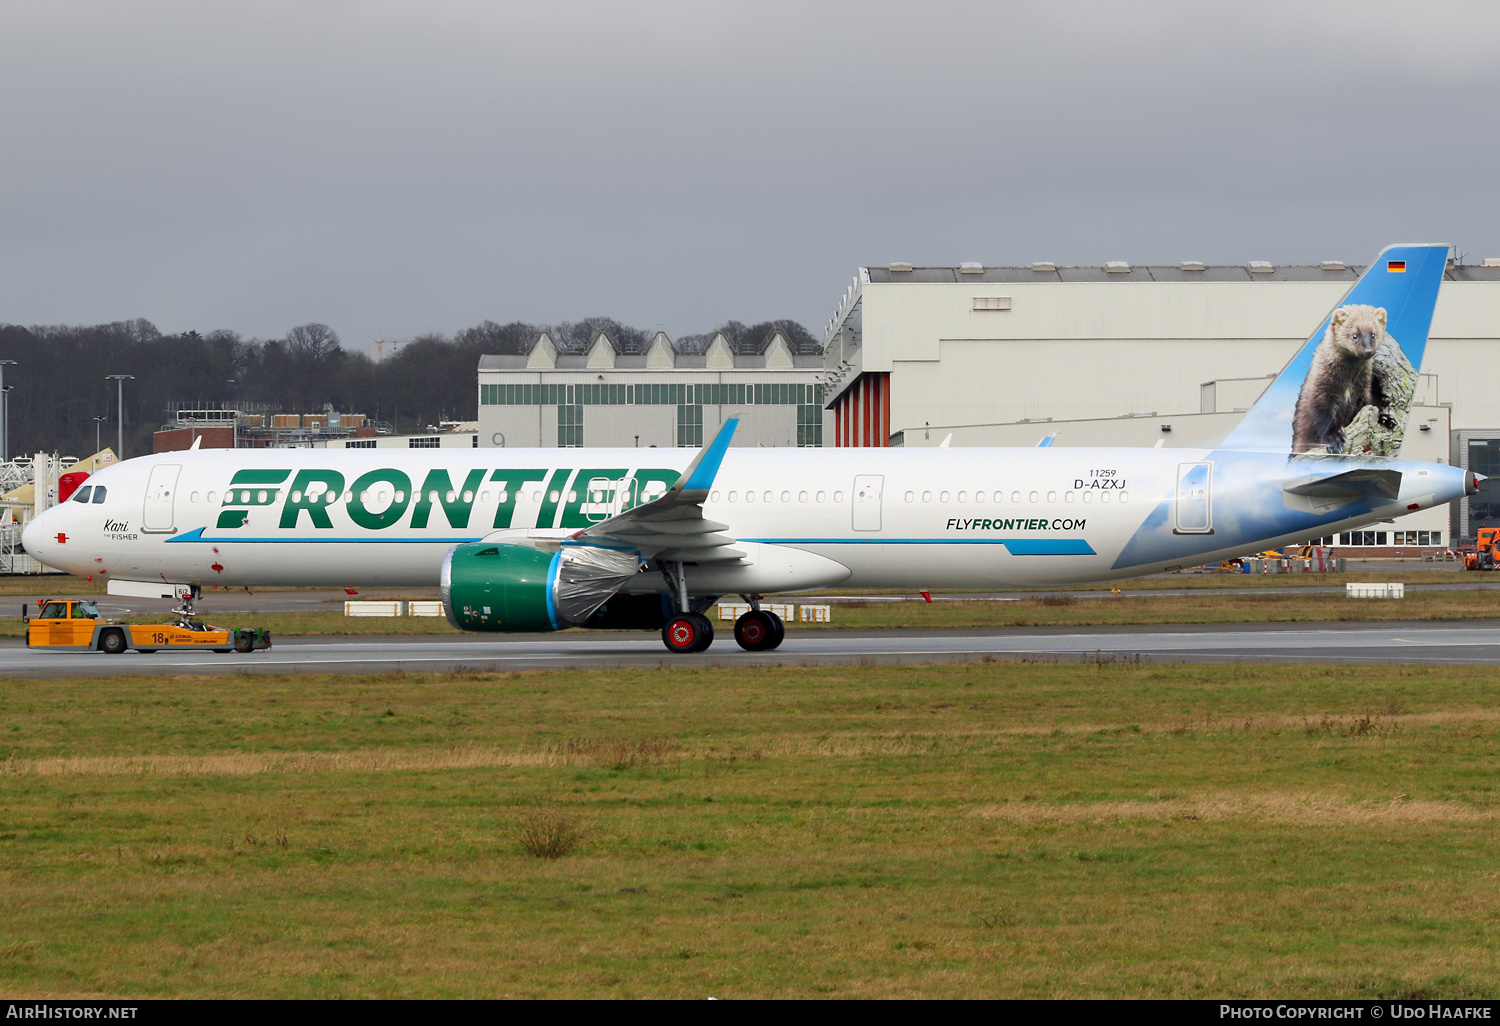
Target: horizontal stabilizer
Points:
(1320, 494)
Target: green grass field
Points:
(980, 830)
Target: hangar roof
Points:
(1148, 272)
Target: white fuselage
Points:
(951, 518)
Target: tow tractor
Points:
(76, 625)
(1485, 554)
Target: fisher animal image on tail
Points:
(1358, 392)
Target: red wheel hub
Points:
(682, 634)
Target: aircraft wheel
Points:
(780, 626)
(687, 632)
(112, 642)
(755, 631)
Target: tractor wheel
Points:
(243, 643)
(112, 642)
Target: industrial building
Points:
(1120, 354)
(662, 397)
(256, 426)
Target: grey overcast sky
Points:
(392, 168)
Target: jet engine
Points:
(506, 587)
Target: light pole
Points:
(97, 422)
(4, 413)
(120, 380)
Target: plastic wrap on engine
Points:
(587, 576)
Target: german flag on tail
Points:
(1395, 266)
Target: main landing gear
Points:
(759, 630)
(687, 631)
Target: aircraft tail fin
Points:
(1350, 387)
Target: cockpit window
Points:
(99, 495)
(82, 495)
(55, 611)
(85, 611)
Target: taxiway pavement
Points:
(1412, 643)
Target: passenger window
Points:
(82, 495)
(963, 496)
(822, 496)
(979, 497)
(910, 496)
(943, 497)
(98, 495)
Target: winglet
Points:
(700, 474)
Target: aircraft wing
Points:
(673, 527)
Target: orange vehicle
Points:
(76, 624)
(1486, 554)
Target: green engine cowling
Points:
(491, 586)
(500, 588)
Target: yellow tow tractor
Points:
(75, 624)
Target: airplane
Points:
(524, 540)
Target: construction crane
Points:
(381, 343)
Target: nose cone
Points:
(33, 536)
(40, 538)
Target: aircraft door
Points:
(1195, 513)
(605, 497)
(157, 517)
(866, 497)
